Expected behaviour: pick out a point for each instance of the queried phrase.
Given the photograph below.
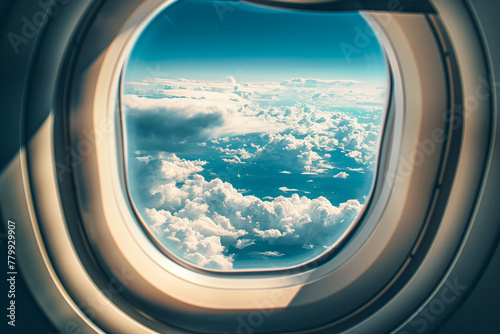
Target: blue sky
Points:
(212, 40)
(251, 140)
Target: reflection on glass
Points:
(252, 134)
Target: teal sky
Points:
(203, 40)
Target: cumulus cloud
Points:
(168, 113)
(212, 223)
(235, 155)
(242, 243)
(168, 124)
(203, 220)
(177, 170)
(231, 80)
(271, 254)
(271, 233)
(311, 135)
(285, 189)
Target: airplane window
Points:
(252, 134)
(221, 167)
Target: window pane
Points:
(252, 134)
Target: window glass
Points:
(252, 134)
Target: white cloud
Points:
(166, 124)
(243, 243)
(206, 221)
(271, 233)
(272, 254)
(285, 189)
(200, 220)
(197, 110)
(231, 80)
(235, 155)
(145, 159)
(177, 170)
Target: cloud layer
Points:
(165, 114)
(196, 149)
(204, 220)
